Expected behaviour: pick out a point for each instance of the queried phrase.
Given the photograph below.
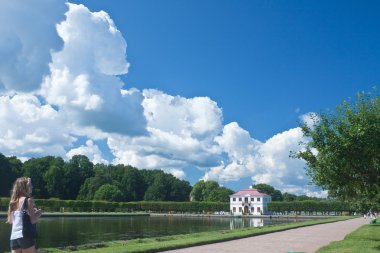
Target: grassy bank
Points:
(366, 239)
(186, 240)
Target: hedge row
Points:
(311, 207)
(57, 205)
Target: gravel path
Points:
(306, 239)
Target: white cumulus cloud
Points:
(60, 81)
(267, 162)
(84, 82)
(29, 128)
(181, 131)
(90, 150)
(28, 36)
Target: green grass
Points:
(365, 239)
(187, 240)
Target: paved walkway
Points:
(306, 239)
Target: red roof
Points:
(251, 192)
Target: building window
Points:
(252, 209)
(234, 209)
(258, 199)
(239, 209)
(252, 199)
(239, 199)
(258, 209)
(234, 199)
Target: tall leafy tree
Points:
(77, 170)
(209, 191)
(220, 194)
(108, 192)
(10, 169)
(54, 178)
(343, 151)
(196, 193)
(158, 190)
(179, 190)
(104, 174)
(289, 197)
(270, 190)
(36, 168)
(131, 182)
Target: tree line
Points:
(79, 179)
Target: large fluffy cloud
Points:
(267, 162)
(29, 128)
(83, 81)
(90, 150)
(181, 132)
(59, 82)
(28, 36)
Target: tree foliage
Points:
(108, 192)
(270, 190)
(209, 191)
(10, 169)
(343, 151)
(79, 179)
(220, 194)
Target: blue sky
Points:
(221, 85)
(264, 62)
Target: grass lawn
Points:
(365, 239)
(185, 240)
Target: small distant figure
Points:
(21, 200)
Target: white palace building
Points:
(249, 202)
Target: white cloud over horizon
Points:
(75, 91)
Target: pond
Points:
(64, 231)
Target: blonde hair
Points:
(20, 189)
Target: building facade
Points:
(249, 202)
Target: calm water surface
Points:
(64, 231)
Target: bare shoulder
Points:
(30, 200)
(21, 200)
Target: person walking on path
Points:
(306, 239)
(21, 198)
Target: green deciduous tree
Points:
(209, 191)
(343, 151)
(289, 197)
(36, 168)
(108, 192)
(54, 178)
(131, 182)
(158, 190)
(10, 169)
(270, 190)
(77, 170)
(221, 194)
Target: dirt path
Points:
(306, 239)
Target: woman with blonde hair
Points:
(21, 192)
